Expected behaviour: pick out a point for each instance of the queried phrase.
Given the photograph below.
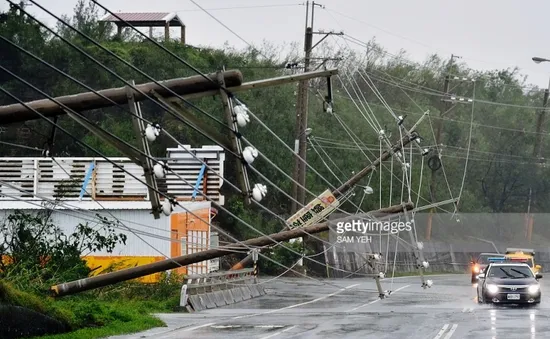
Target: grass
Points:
(121, 309)
(119, 318)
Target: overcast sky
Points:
(487, 34)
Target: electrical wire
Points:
(128, 64)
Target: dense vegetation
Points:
(501, 171)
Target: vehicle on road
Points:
(510, 283)
(523, 255)
(479, 264)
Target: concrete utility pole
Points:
(300, 142)
(537, 151)
(353, 180)
(445, 108)
(168, 264)
(89, 100)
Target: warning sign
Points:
(315, 211)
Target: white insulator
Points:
(240, 109)
(400, 119)
(166, 207)
(381, 275)
(258, 192)
(369, 190)
(329, 109)
(249, 154)
(159, 171)
(241, 115)
(151, 133)
(429, 283)
(376, 256)
(425, 264)
(420, 245)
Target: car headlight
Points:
(534, 288)
(492, 288)
(476, 269)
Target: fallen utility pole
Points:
(169, 264)
(263, 83)
(90, 100)
(352, 181)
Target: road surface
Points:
(302, 308)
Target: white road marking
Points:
(197, 327)
(441, 331)
(453, 329)
(277, 333)
(444, 329)
(467, 310)
(240, 326)
(372, 302)
(296, 305)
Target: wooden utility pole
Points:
(168, 264)
(300, 140)
(301, 117)
(302, 104)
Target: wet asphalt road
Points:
(302, 308)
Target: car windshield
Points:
(510, 272)
(484, 258)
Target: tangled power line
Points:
(360, 101)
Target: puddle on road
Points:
(237, 327)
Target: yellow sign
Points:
(315, 211)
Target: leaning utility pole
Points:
(300, 142)
(355, 179)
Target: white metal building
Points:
(42, 183)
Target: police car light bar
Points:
(496, 259)
(512, 250)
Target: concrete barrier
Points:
(200, 292)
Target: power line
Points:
(21, 146)
(366, 45)
(239, 7)
(206, 197)
(400, 36)
(226, 27)
(164, 107)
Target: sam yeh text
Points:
(351, 239)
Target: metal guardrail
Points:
(218, 289)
